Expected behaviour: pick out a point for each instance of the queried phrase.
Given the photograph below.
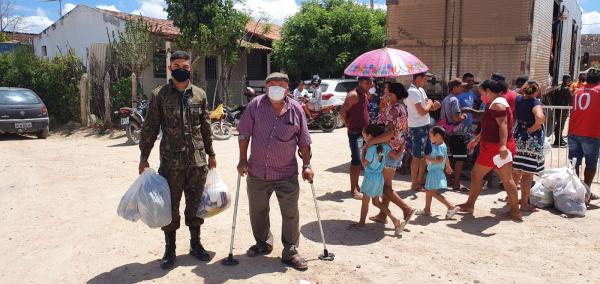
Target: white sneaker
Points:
(451, 212)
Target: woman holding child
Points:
(395, 119)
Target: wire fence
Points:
(557, 127)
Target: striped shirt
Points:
(274, 139)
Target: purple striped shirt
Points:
(273, 139)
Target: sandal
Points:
(461, 189)
(422, 212)
(296, 262)
(255, 250)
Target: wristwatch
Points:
(308, 166)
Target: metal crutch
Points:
(230, 261)
(326, 254)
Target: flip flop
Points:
(377, 220)
(461, 189)
(422, 212)
(357, 195)
(406, 220)
(398, 228)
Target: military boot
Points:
(196, 248)
(168, 260)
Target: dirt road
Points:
(59, 225)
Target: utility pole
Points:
(59, 6)
(372, 4)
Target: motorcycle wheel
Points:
(134, 131)
(221, 131)
(328, 122)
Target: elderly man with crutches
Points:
(277, 127)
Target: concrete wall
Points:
(78, 29)
(497, 36)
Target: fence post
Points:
(83, 113)
(133, 90)
(107, 116)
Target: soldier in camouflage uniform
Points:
(180, 109)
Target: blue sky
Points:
(37, 15)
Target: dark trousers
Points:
(560, 117)
(191, 182)
(287, 192)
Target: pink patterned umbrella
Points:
(385, 63)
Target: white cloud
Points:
(68, 7)
(32, 24)
(276, 11)
(40, 12)
(152, 8)
(591, 22)
(108, 7)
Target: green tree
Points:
(4, 37)
(325, 36)
(211, 27)
(133, 47)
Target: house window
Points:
(210, 66)
(44, 51)
(160, 64)
(257, 66)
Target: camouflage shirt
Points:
(183, 118)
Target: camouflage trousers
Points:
(191, 182)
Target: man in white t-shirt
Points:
(300, 91)
(419, 106)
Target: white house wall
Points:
(77, 30)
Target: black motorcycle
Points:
(132, 120)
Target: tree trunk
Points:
(107, 116)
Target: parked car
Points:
(22, 111)
(334, 91)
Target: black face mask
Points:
(181, 75)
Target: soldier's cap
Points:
(180, 54)
(498, 77)
(277, 76)
(456, 82)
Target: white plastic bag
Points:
(215, 198)
(540, 196)
(128, 207)
(570, 193)
(547, 146)
(149, 199)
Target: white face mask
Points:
(276, 93)
(372, 90)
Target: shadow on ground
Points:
(213, 272)
(475, 226)
(15, 137)
(337, 233)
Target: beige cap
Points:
(277, 76)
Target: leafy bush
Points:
(56, 81)
(121, 93)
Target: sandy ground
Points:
(59, 225)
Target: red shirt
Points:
(586, 107)
(490, 130)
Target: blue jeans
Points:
(356, 141)
(421, 145)
(393, 164)
(588, 147)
